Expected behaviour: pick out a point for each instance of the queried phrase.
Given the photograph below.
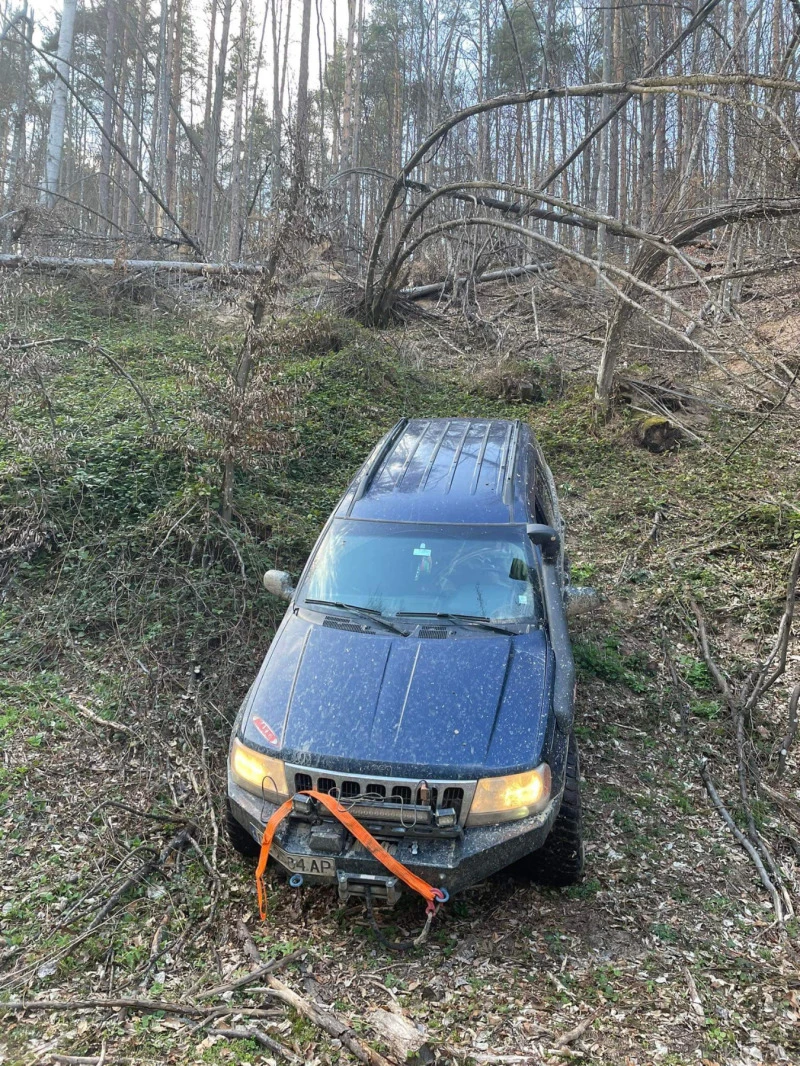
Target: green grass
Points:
(607, 663)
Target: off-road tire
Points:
(239, 837)
(559, 862)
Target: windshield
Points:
(403, 569)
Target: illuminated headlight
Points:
(262, 775)
(504, 799)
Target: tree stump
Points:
(657, 434)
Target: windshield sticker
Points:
(522, 599)
(265, 731)
(425, 562)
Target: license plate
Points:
(305, 864)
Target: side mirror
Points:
(580, 599)
(279, 583)
(546, 538)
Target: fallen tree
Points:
(10, 261)
(419, 292)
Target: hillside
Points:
(126, 599)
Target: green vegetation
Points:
(696, 674)
(125, 591)
(606, 662)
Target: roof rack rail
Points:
(511, 463)
(375, 460)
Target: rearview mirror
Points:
(279, 583)
(580, 599)
(546, 538)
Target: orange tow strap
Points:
(428, 892)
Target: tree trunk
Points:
(207, 171)
(301, 133)
(58, 109)
(171, 191)
(354, 217)
(648, 125)
(234, 233)
(605, 137)
(215, 126)
(164, 82)
(278, 80)
(136, 123)
(108, 101)
(347, 107)
(18, 146)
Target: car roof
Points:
(444, 470)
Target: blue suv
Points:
(423, 674)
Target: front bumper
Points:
(452, 863)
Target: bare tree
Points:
(58, 109)
(234, 231)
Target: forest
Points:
(238, 242)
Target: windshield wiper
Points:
(371, 613)
(475, 621)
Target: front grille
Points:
(453, 797)
(364, 796)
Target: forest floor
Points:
(124, 597)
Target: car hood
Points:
(397, 706)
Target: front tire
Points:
(560, 861)
(239, 837)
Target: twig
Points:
(18, 1006)
(169, 819)
(254, 975)
(98, 720)
(745, 843)
(158, 936)
(173, 527)
(215, 1013)
(120, 369)
(713, 669)
(490, 1059)
(738, 709)
(766, 417)
(24, 972)
(260, 1038)
(94, 346)
(83, 1060)
(694, 996)
(760, 680)
(210, 800)
(329, 1022)
(178, 841)
(209, 869)
(250, 945)
(573, 1034)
